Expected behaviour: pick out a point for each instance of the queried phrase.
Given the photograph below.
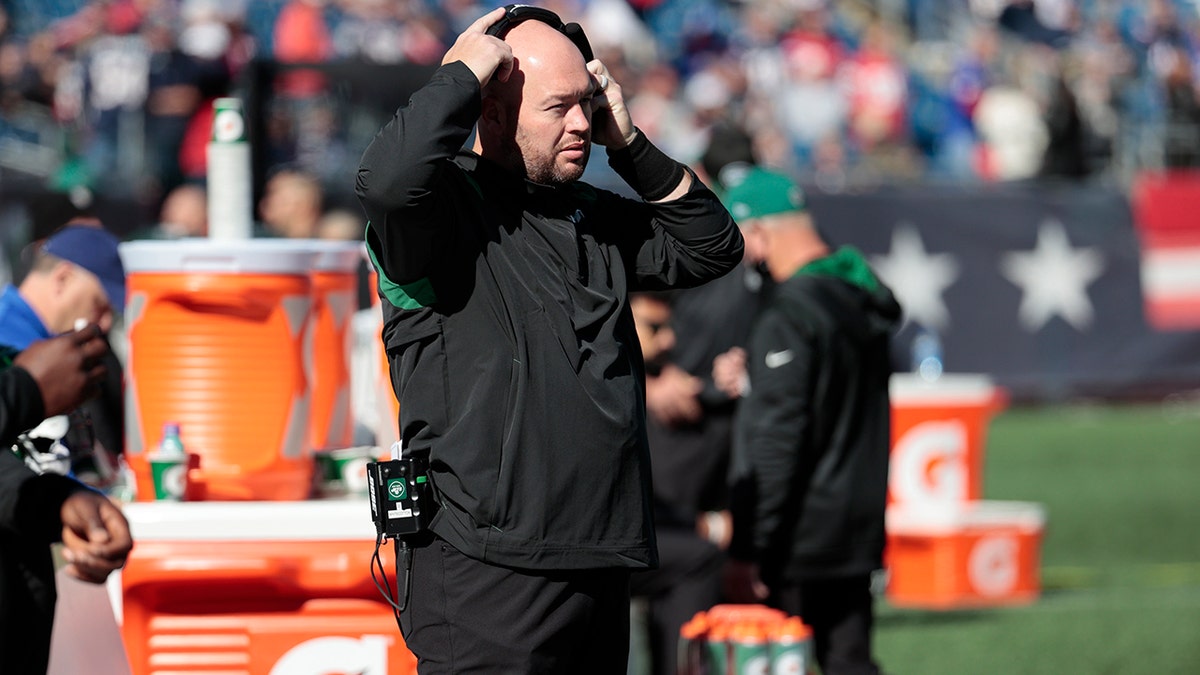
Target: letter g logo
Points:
(929, 464)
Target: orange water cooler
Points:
(219, 342)
(947, 547)
(257, 588)
(981, 554)
(335, 298)
(939, 431)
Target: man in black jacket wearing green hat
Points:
(813, 429)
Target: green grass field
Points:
(1120, 557)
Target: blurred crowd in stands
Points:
(115, 95)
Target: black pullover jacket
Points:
(509, 337)
(814, 431)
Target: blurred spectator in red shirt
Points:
(301, 36)
(811, 104)
(876, 83)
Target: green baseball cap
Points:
(762, 192)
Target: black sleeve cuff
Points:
(24, 406)
(39, 506)
(648, 170)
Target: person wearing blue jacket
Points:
(75, 276)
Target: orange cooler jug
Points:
(335, 299)
(258, 588)
(939, 434)
(219, 342)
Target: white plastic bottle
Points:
(171, 444)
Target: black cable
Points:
(377, 571)
(403, 554)
(403, 562)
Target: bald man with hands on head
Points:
(511, 345)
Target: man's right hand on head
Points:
(68, 368)
(484, 54)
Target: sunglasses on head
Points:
(515, 14)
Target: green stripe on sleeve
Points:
(413, 295)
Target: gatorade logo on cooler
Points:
(929, 464)
(397, 489)
(336, 656)
(992, 565)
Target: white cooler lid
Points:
(953, 518)
(251, 256)
(312, 520)
(330, 255)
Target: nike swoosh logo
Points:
(779, 358)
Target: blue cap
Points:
(95, 250)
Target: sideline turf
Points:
(1120, 558)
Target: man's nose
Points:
(579, 119)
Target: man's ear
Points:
(492, 115)
(756, 240)
(61, 274)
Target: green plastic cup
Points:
(170, 477)
(343, 471)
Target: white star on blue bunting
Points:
(1053, 278)
(918, 278)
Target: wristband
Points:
(648, 170)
